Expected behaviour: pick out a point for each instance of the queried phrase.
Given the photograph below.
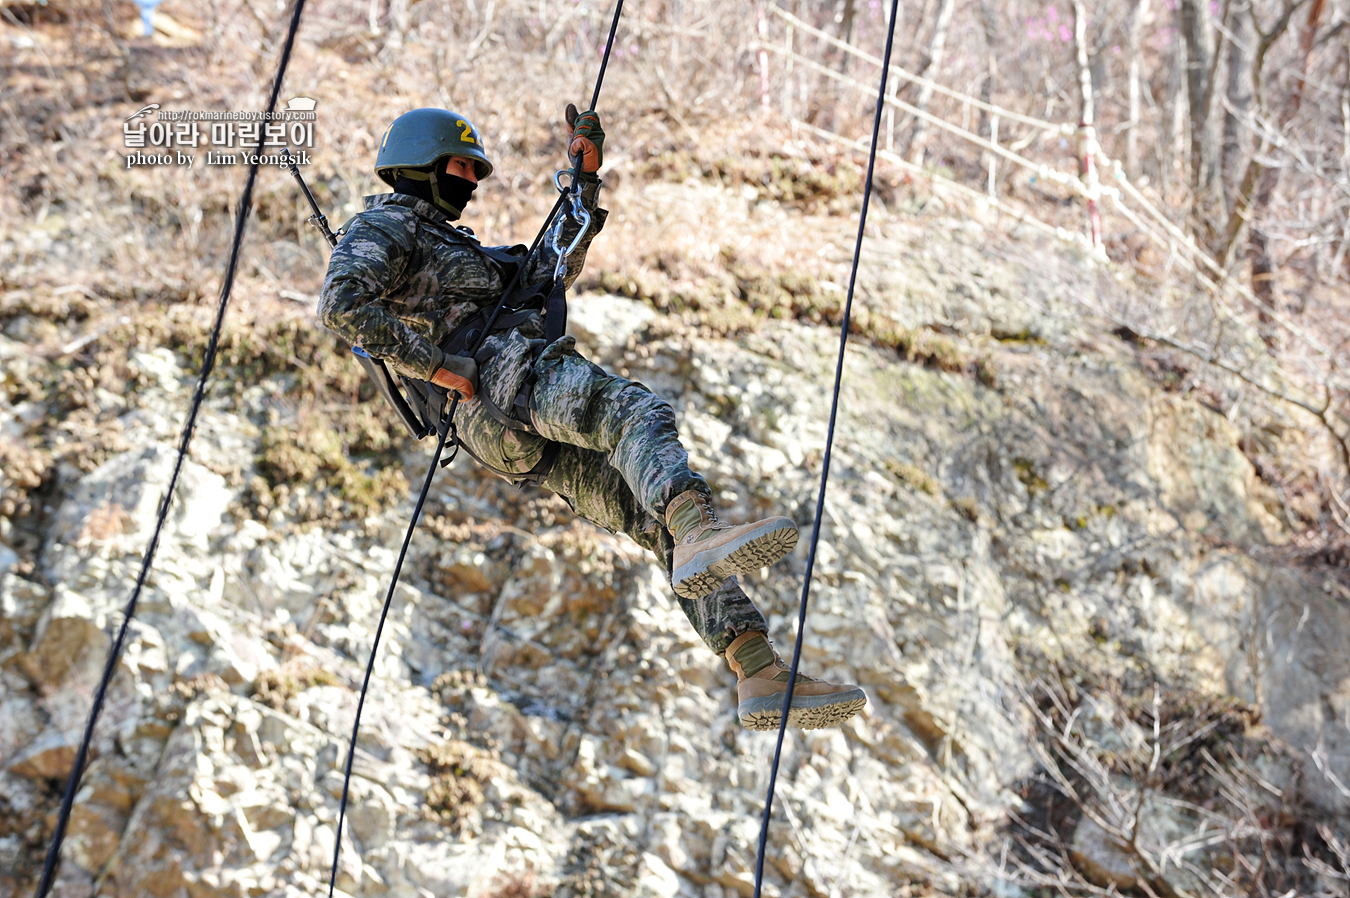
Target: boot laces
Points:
(705, 503)
(710, 523)
(785, 670)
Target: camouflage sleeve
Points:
(547, 258)
(368, 263)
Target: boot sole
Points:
(756, 549)
(809, 712)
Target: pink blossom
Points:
(1051, 15)
(1064, 33)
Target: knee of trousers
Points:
(509, 450)
(639, 408)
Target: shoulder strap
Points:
(506, 255)
(427, 401)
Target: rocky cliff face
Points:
(1063, 588)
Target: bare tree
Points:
(1192, 21)
(846, 32)
(1138, 16)
(1239, 97)
(989, 22)
(1160, 798)
(1246, 193)
(1087, 131)
(931, 63)
(1263, 265)
(989, 125)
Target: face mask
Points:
(453, 191)
(449, 193)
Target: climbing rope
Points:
(445, 430)
(825, 472)
(208, 364)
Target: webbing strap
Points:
(420, 404)
(555, 317)
(534, 476)
(385, 385)
(502, 417)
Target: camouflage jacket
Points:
(402, 278)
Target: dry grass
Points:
(459, 772)
(274, 687)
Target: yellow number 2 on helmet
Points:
(467, 136)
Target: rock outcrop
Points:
(542, 719)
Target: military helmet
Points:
(424, 137)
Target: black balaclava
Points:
(449, 193)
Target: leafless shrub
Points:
(1168, 793)
(1333, 873)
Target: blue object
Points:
(148, 14)
(357, 350)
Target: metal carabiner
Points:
(578, 212)
(572, 191)
(562, 254)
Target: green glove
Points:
(585, 138)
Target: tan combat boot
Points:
(761, 683)
(707, 551)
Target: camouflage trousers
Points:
(620, 461)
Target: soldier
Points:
(404, 284)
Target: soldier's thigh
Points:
(576, 401)
(598, 492)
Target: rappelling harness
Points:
(420, 404)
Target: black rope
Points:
(825, 472)
(445, 432)
(446, 429)
(198, 396)
(604, 60)
(576, 171)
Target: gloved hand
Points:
(459, 374)
(585, 138)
